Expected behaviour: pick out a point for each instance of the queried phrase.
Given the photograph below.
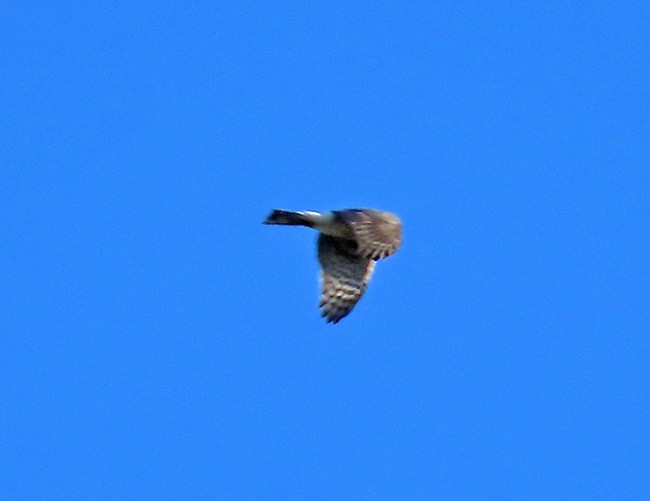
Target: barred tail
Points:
(290, 218)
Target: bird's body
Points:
(349, 243)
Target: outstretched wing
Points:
(378, 234)
(344, 276)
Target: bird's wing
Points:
(344, 276)
(378, 233)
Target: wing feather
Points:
(344, 276)
(378, 234)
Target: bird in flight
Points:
(350, 241)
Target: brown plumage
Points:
(349, 243)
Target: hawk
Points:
(350, 241)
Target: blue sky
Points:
(157, 341)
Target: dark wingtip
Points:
(332, 317)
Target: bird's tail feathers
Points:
(290, 218)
